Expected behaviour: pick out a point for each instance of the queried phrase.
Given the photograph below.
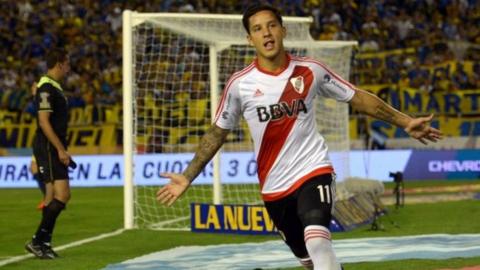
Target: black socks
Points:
(50, 214)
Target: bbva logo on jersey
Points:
(278, 111)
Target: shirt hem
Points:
(298, 183)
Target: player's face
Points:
(65, 67)
(266, 34)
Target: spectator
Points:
(460, 78)
(92, 32)
(404, 25)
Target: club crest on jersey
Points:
(278, 111)
(298, 84)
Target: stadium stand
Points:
(425, 60)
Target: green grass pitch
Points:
(94, 211)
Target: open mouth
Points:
(269, 44)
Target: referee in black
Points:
(50, 149)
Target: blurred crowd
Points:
(438, 30)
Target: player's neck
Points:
(52, 73)
(275, 65)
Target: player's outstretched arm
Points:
(179, 183)
(418, 128)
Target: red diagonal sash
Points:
(277, 131)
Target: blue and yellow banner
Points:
(238, 219)
(451, 127)
(242, 219)
(21, 135)
(410, 100)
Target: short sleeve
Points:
(44, 98)
(229, 110)
(331, 85)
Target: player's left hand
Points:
(420, 129)
(64, 157)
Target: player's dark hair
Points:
(254, 9)
(55, 56)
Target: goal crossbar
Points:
(197, 24)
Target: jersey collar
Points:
(46, 79)
(274, 73)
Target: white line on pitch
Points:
(73, 244)
(159, 225)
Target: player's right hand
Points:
(64, 157)
(169, 193)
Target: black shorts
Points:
(311, 204)
(49, 166)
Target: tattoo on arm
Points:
(209, 145)
(384, 113)
(373, 106)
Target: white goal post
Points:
(174, 69)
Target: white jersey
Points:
(280, 114)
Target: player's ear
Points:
(284, 32)
(249, 39)
(59, 65)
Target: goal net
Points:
(175, 69)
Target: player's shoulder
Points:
(308, 61)
(45, 87)
(245, 71)
(239, 75)
(47, 84)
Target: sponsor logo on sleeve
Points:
(327, 79)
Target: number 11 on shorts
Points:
(324, 193)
